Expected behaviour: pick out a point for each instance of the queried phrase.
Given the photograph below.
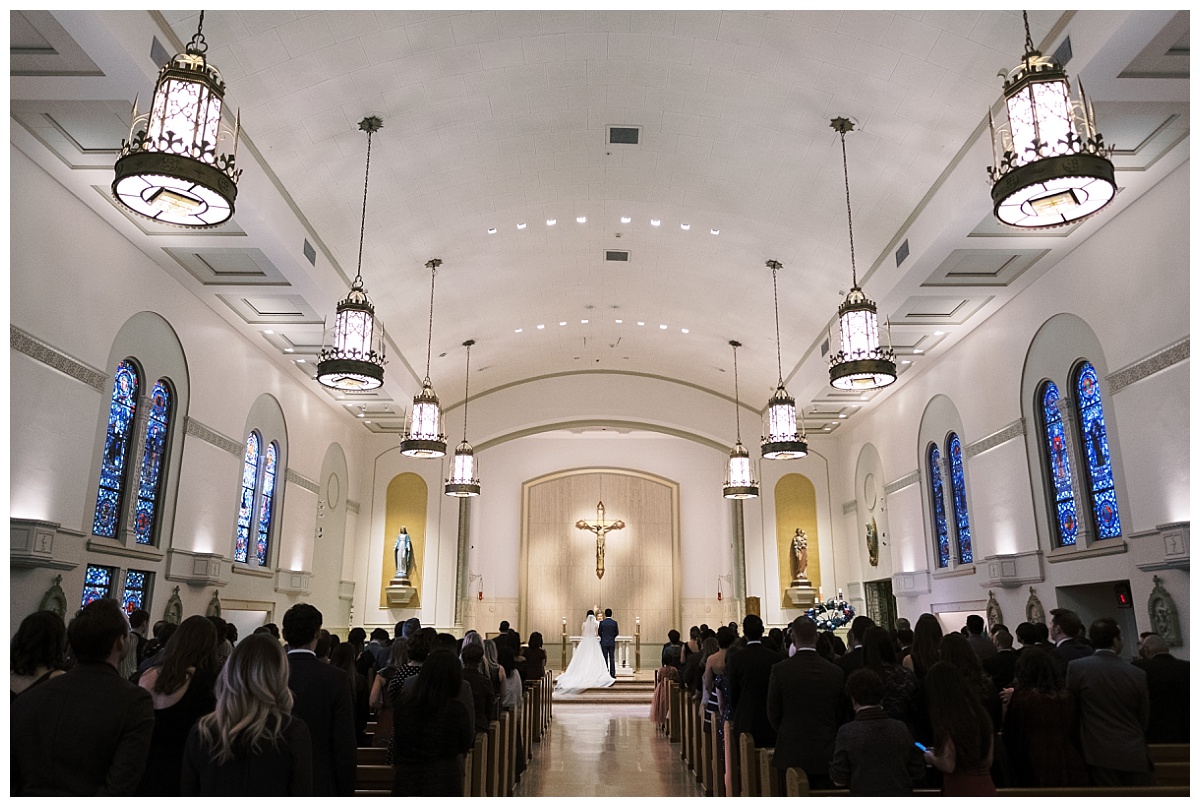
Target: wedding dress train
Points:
(588, 669)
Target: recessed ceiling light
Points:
(641, 323)
(684, 330)
(918, 351)
(491, 230)
(714, 231)
(939, 333)
(619, 321)
(662, 327)
(288, 350)
(521, 226)
(518, 330)
(625, 219)
(361, 414)
(562, 323)
(268, 331)
(685, 226)
(655, 222)
(826, 428)
(299, 361)
(906, 361)
(581, 219)
(583, 322)
(541, 327)
(551, 222)
(366, 421)
(841, 417)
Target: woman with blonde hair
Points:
(251, 745)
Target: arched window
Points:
(938, 505)
(241, 546)
(154, 447)
(958, 485)
(1058, 460)
(266, 499)
(116, 448)
(1094, 438)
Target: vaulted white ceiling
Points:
(498, 121)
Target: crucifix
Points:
(600, 529)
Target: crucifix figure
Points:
(600, 529)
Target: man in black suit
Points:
(608, 631)
(1114, 711)
(1065, 626)
(749, 672)
(322, 700)
(854, 658)
(1002, 666)
(805, 706)
(85, 733)
(1168, 681)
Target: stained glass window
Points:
(266, 500)
(1060, 466)
(939, 507)
(1094, 438)
(137, 587)
(97, 583)
(958, 485)
(241, 544)
(116, 447)
(150, 483)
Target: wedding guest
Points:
(484, 697)
(672, 651)
(749, 677)
(252, 744)
(182, 689)
(899, 699)
(491, 664)
(1002, 666)
(1039, 720)
(691, 646)
(874, 755)
(344, 657)
(962, 732)
(1065, 627)
(927, 636)
(1168, 681)
(535, 658)
(37, 652)
(982, 645)
(378, 647)
(433, 731)
(956, 649)
(853, 658)
(381, 697)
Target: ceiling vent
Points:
(158, 54)
(624, 135)
(1063, 54)
(616, 255)
(310, 252)
(902, 252)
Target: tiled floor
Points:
(605, 750)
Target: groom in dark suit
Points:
(608, 631)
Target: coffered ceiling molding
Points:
(38, 46)
(1141, 132)
(983, 267)
(264, 309)
(991, 227)
(229, 267)
(955, 310)
(1168, 55)
(83, 134)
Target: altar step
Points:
(623, 691)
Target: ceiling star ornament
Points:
(861, 363)
(783, 441)
(739, 481)
(1050, 166)
(422, 438)
(353, 352)
(463, 481)
(170, 170)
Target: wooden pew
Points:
(1170, 752)
(697, 757)
(707, 746)
(492, 780)
(733, 762)
(372, 756)
(374, 778)
(506, 754)
(768, 776)
(748, 762)
(468, 760)
(535, 713)
(479, 767)
(674, 709)
(528, 716)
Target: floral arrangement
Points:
(831, 614)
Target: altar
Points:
(625, 655)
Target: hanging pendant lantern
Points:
(353, 351)
(422, 437)
(463, 480)
(1053, 167)
(861, 363)
(170, 170)
(783, 441)
(739, 481)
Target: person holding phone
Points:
(874, 755)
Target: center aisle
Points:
(605, 749)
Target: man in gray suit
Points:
(805, 704)
(1114, 711)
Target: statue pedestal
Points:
(801, 594)
(400, 593)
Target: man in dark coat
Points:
(874, 755)
(749, 673)
(982, 645)
(87, 732)
(323, 701)
(1168, 682)
(805, 705)
(1065, 627)
(854, 658)
(1002, 666)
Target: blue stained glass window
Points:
(116, 447)
(97, 583)
(265, 504)
(939, 507)
(1060, 466)
(135, 590)
(152, 459)
(241, 545)
(958, 484)
(1094, 438)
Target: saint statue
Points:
(799, 555)
(403, 553)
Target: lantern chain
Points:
(362, 230)
(849, 214)
(467, 392)
(433, 265)
(775, 267)
(736, 400)
(198, 46)
(1028, 37)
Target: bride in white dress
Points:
(588, 669)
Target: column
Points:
(739, 560)
(462, 579)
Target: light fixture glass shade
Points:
(783, 440)
(170, 170)
(352, 357)
(1051, 166)
(740, 481)
(861, 363)
(464, 479)
(421, 436)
